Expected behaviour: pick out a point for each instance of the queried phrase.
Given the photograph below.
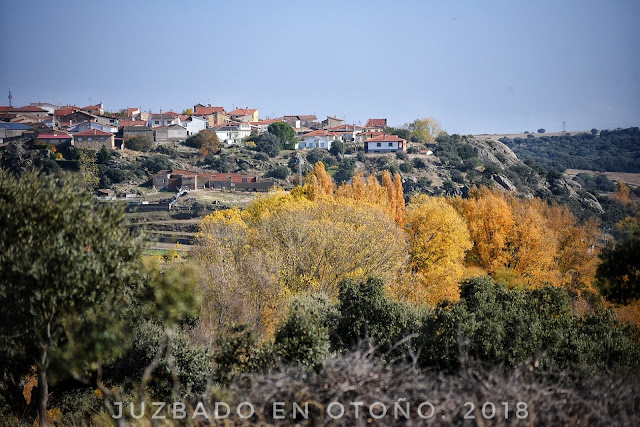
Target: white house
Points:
(164, 119)
(385, 143)
(194, 124)
(89, 125)
(232, 133)
(317, 139)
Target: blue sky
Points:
(477, 66)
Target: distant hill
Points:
(606, 150)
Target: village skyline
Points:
(479, 68)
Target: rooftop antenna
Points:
(10, 98)
(564, 127)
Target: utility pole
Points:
(299, 169)
(564, 127)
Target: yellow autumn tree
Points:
(240, 284)
(438, 240)
(576, 257)
(281, 245)
(490, 225)
(622, 192)
(317, 245)
(532, 243)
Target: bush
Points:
(493, 325)
(138, 143)
(541, 130)
(366, 313)
(406, 167)
(157, 163)
(269, 144)
(279, 172)
(419, 163)
(193, 362)
(337, 148)
(400, 155)
(261, 156)
(302, 339)
(361, 157)
(237, 351)
(345, 170)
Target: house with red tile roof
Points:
(97, 109)
(94, 139)
(376, 125)
(244, 114)
(385, 143)
(55, 138)
(205, 110)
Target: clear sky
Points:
(477, 66)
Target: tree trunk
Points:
(43, 384)
(43, 391)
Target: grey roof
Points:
(14, 126)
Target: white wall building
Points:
(194, 124)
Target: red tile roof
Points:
(265, 122)
(376, 123)
(166, 113)
(384, 138)
(62, 111)
(54, 136)
(204, 111)
(242, 111)
(91, 108)
(346, 128)
(124, 123)
(308, 118)
(30, 109)
(93, 132)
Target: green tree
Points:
(618, 277)
(269, 144)
(337, 148)
(283, 131)
(279, 172)
(206, 141)
(541, 130)
(104, 155)
(426, 129)
(68, 273)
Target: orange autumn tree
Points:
(389, 196)
(490, 225)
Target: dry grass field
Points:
(632, 179)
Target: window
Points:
(378, 144)
(79, 139)
(89, 139)
(102, 139)
(391, 144)
(157, 122)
